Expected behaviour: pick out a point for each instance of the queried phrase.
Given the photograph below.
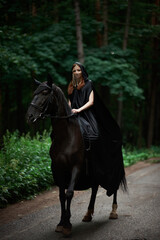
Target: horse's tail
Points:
(123, 184)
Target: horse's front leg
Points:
(62, 198)
(67, 226)
(70, 190)
(89, 213)
(113, 214)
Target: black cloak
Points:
(102, 137)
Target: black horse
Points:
(70, 165)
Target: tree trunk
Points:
(140, 127)
(105, 22)
(120, 108)
(152, 107)
(34, 9)
(79, 32)
(98, 18)
(124, 47)
(157, 121)
(125, 39)
(20, 113)
(33, 14)
(1, 130)
(55, 11)
(154, 81)
(6, 108)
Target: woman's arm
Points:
(69, 103)
(87, 105)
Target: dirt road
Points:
(139, 212)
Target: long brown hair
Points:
(71, 86)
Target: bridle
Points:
(43, 111)
(60, 117)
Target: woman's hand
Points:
(85, 106)
(75, 110)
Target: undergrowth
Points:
(24, 166)
(135, 155)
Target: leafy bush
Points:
(25, 166)
(132, 156)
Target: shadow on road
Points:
(85, 229)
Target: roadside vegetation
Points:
(25, 165)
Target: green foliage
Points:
(14, 59)
(135, 155)
(116, 69)
(48, 49)
(25, 166)
(39, 53)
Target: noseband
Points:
(37, 107)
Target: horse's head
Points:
(41, 103)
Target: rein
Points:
(43, 115)
(59, 117)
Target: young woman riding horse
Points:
(86, 142)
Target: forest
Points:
(117, 41)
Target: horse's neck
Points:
(61, 125)
(60, 129)
(63, 109)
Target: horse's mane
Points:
(63, 104)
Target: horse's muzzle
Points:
(31, 118)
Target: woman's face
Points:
(77, 73)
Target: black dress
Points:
(86, 118)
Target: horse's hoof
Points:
(87, 219)
(59, 229)
(88, 216)
(67, 231)
(113, 216)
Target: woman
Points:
(81, 100)
(100, 131)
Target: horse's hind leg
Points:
(89, 213)
(113, 214)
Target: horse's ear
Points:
(49, 80)
(36, 81)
